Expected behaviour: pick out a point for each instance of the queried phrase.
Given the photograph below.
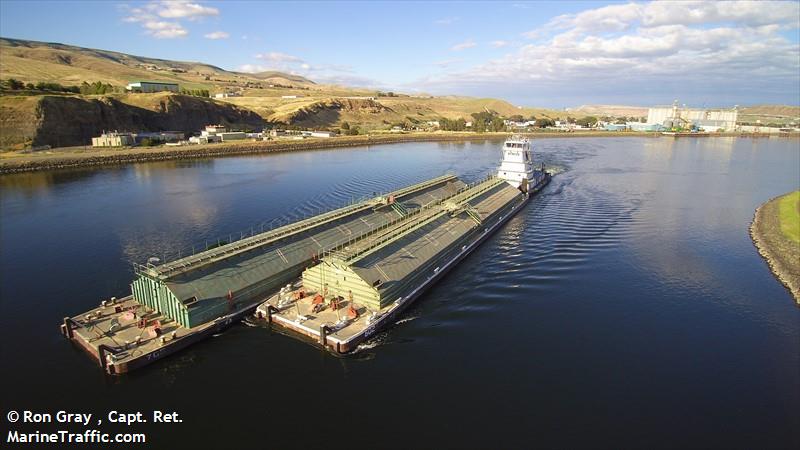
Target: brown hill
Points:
(33, 61)
(771, 110)
(609, 110)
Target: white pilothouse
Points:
(517, 164)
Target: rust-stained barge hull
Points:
(120, 352)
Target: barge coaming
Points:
(342, 335)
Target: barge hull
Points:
(154, 352)
(343, 346)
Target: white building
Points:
(319, 134)
(113, 140)
(204, 139)
(213, 129)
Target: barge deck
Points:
(361, 288)
(178, 303)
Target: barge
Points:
(178, 303)
(359, 288)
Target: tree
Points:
(452, 125)
(587, 121)
(517, 118)
(545, 122)
(14, 84)
(96, 88)
(345, 126)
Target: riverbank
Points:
(776, 234)
(76, 157)
(80, 157)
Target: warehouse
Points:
(151, 86)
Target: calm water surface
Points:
(624, 307)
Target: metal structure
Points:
(207, 285)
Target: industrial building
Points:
(159, 136)
(117, 139)
(645, 127)
(705, 119)
(114, 139)
(151, 86)
(205, 286)
(204, 139)
(217, 133)
(319, 134)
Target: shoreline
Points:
(82, 158)
(777, 250)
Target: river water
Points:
(625, 306)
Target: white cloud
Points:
(499, 44)
(164, 30)
(278, 57)
(447, 20)
(150, 17)
(658, 13)
(469, 43)
(217, 35)
(252, 68)
(447, 62)
(179, 9)
(701, 47)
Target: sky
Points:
(547, 54)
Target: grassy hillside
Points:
(321, 109)
(32, 61)
(770, 114)
(316, 105)
(261, 96)
(609, 110)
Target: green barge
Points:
(178, 303)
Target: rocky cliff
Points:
(61, 121)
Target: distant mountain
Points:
(33, 61)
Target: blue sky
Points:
(554, 54)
